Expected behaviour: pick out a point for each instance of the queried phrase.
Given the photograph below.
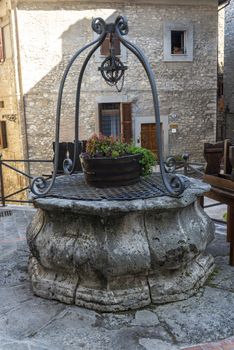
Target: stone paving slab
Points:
(29, 322)
(208, 315)
(216, 212)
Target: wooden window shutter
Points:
(2, 55)
(117, 45)
(3, 135)
(105, 47)
(127, 122)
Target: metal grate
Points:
(5, 213)
(75, 187)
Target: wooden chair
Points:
(222, 182)
(67, 149)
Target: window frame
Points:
(187, 56)
(126, 119)
(101, 114)
(184, 41)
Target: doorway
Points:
(148, 139)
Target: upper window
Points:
(178, 42)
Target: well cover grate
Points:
(75, 187)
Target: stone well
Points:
(111, 255)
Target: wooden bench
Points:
(222, 182)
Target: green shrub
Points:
(148, 159)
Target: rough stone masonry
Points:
(50, 32)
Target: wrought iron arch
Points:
(112, 70)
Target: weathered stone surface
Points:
(13, 296)
(24, 319)
(209, 316)
(180, 239)
(13, 264)
(172, 285)
(114, 321)
(125, 293)
(223, 277)
(80, 331)
(145, 318)
(13, 258)
(219, 246)
(120, 255)
(129, 337)
(14, 345)
(51, 284)
(150, 344)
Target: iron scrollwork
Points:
(112, 70)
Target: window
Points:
(3, 135)
(109, 119)
(105, 48)
(178, 42)
(220, 97)
(115, 119)
(2, 53)
(220, 85)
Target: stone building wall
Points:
(9, 107)
(229, 70)
(51, 32)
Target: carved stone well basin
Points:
(112, 255)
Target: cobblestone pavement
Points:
(29, 322)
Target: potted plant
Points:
(110, 162)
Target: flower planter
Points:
(109, 172)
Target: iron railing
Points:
(183, 166)
(4, 198)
